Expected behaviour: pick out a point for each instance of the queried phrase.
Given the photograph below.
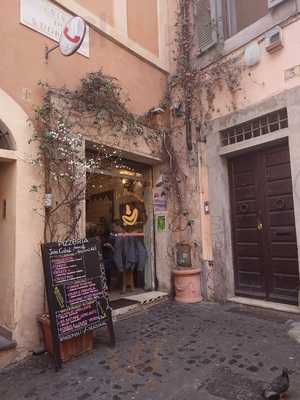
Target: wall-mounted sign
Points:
(159, 200)
(50, 20)
(161, 225)
(72, 36)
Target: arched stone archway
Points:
(21, 276)
(7, 228)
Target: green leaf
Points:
(34, 188)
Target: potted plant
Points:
(186, 278)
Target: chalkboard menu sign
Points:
(76, 290)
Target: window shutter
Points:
(273, 3)
(206, 24)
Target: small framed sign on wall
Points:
(161, 223)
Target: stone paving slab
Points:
(170, 352)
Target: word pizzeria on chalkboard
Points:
(76, 290)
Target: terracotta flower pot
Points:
(187, 285)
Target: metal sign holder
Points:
(48, 51)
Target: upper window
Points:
(206, 23)
(238, 14)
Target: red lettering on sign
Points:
(73, 39)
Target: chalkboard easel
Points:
(77, 292)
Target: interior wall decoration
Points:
(133, 212)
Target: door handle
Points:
(259, 226)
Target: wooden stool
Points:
(128, 280)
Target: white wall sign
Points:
(49, 20)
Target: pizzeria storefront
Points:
(119, 210)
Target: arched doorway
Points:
(7, 230)
(7, 141)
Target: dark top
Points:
(107, 251)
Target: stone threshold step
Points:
(265, 304)
(142, 301)
(7, 344)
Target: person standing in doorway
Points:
(108, 249)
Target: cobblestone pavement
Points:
(170, 352)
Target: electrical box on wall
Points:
(274, 40)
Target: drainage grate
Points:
(260, 126)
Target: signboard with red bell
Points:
(72, 36)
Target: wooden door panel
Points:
(284, 287)
(246, 221)
(247, 235)
(289, 266)
(282, 218)
(247, 242)
(276, 172)
(277, 156)
(263, 221)
(285, 282)
(279, 187)
(244, 179)
(283, 202)
(248, 249)
(286, 250)
(281, 253)
(250, 281)
(245, 193)
(283, 234)
(250, 264)
(246, 207)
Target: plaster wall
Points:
(143, 23)
(103, 8)
(267, 78)
(23, 50)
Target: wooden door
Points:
(264, 236)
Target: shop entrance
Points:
(264, 234)
(119, 211)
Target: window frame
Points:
(214, 28)
(276, 16)
(261, 26)
(274, 3)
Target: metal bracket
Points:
(48, 51)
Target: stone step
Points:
(142, 301)
(7, 344)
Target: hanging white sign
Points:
(49, 20)
(72, 36)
